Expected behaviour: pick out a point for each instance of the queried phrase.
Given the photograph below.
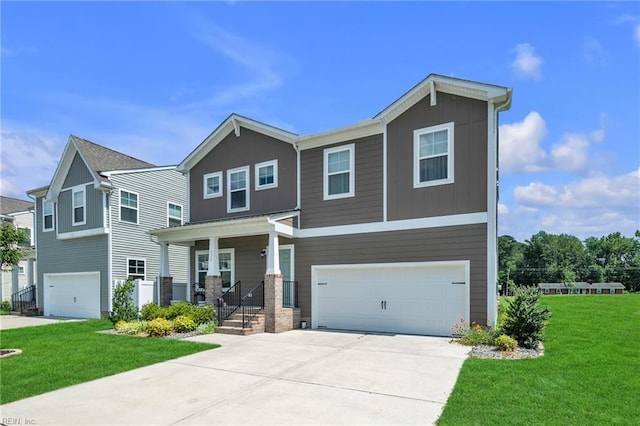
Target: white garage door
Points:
(75, 295)
(413, 298)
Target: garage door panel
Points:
(75, 295)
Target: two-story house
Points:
(387, 225)
(92, 224)
(20, 214)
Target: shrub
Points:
(133, 327)
(5, 306)
(120, 325)
(203, 314)
(207, 327)
(525, 319)
(159, 327)
(151, 311)
(475, 334)
(179, 309)
(184, 324)
(506, 343)
(123, 306)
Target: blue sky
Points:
(152, 79)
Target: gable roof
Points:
(9, 205)
(233, 123)
(612, 285)
(551, 285)
(97, 158)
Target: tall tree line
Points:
(565, 258)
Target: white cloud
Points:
(527, 63)
(520, 145)
(503, 209)
(571, 154)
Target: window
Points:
(225, 264)
(237, 193)
(47, 215)
(212, 185)
(20, 269)
(174, 215)
(339, 172)
(128, 206)
(267, 175)
(78, 201)
(136, 269)
(433, 155)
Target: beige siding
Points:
(365, 206)
(468, 194)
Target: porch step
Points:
(234, 325)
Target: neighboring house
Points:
(553, 288)
(387, 225)
(20, 213)
(91, 227)
(607, 288)
(581, 288)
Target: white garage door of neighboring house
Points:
(414, 298)
(75, 295)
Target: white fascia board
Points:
(394, 225)
(148, 169)
(363, 129)
(82, 234)
(61, 171)
(38, 192)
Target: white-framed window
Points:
(78, 201)
(339, 172)
(546, 291)
(433, 155)
(266, 175)
(128, 206)
(225, 264)
(20, 269)
(47, 215)
(238, 189)
(174, 215)
(136, 269)
(599, 291)
(212, 185)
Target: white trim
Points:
(394, 225)
(109, 173)
(258, 166)
(79, 188)
(109, 251)
(197, 270)
(351, 148)
(169, 203)
(53, 216)
(84, 233)
(385, 184)
(136, 259)
(316, 268)
(205, 186)
(247, 179)
(137, 208)
(449, 127)
(188, 218)
(232, 251)
(362, 129)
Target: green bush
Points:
(199, 314)
(151, 311)
(159, 327)
(207, 327)
(506, 343)
(525, 319)
(184, 324)
(123, 306)
(179, 309)
(132, 328)
(5, 306)
(475, 334)
(203, 314)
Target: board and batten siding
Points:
(365, 206)
(468, 193)
(467, 242)
(67, 256)
(155, 188)
(248, 149)
(78, 173)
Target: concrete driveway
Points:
(18, 321)
(299, 377)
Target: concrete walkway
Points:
(299, 377)
(18, 321)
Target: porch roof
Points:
(228, 228)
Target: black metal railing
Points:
(24, 301)
(252, 303)
(229, 302)
(234, 301)
(290, 294)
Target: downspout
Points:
(107, 202)
(35, 244)
(298, 177)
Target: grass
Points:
(59, 355)
(588, 375)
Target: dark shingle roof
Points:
(551, 285)
(10, 205)
(607, 285)
(101, 159)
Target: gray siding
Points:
(78, 173)
(365, 206)
(155, 188)
(467, 242)
(248, 149)
(94, 210)
(77, 255)
(468, 193)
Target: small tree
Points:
(123, 307)
(525, 319)
(10, 250)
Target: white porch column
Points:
(273, 254)
(214, 263)
(164, 260)
(31, 271)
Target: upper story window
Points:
(237, 190)
(136, 268)
(128, 206)
(433, 155)
(212, 185)
(78, 200)
(339, 172)
(174, 215)
(47, 215)
(267, 175)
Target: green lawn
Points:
(590, 373)
(59, 355)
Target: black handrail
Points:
(229, 302)
(252, 303)
(24, 300)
